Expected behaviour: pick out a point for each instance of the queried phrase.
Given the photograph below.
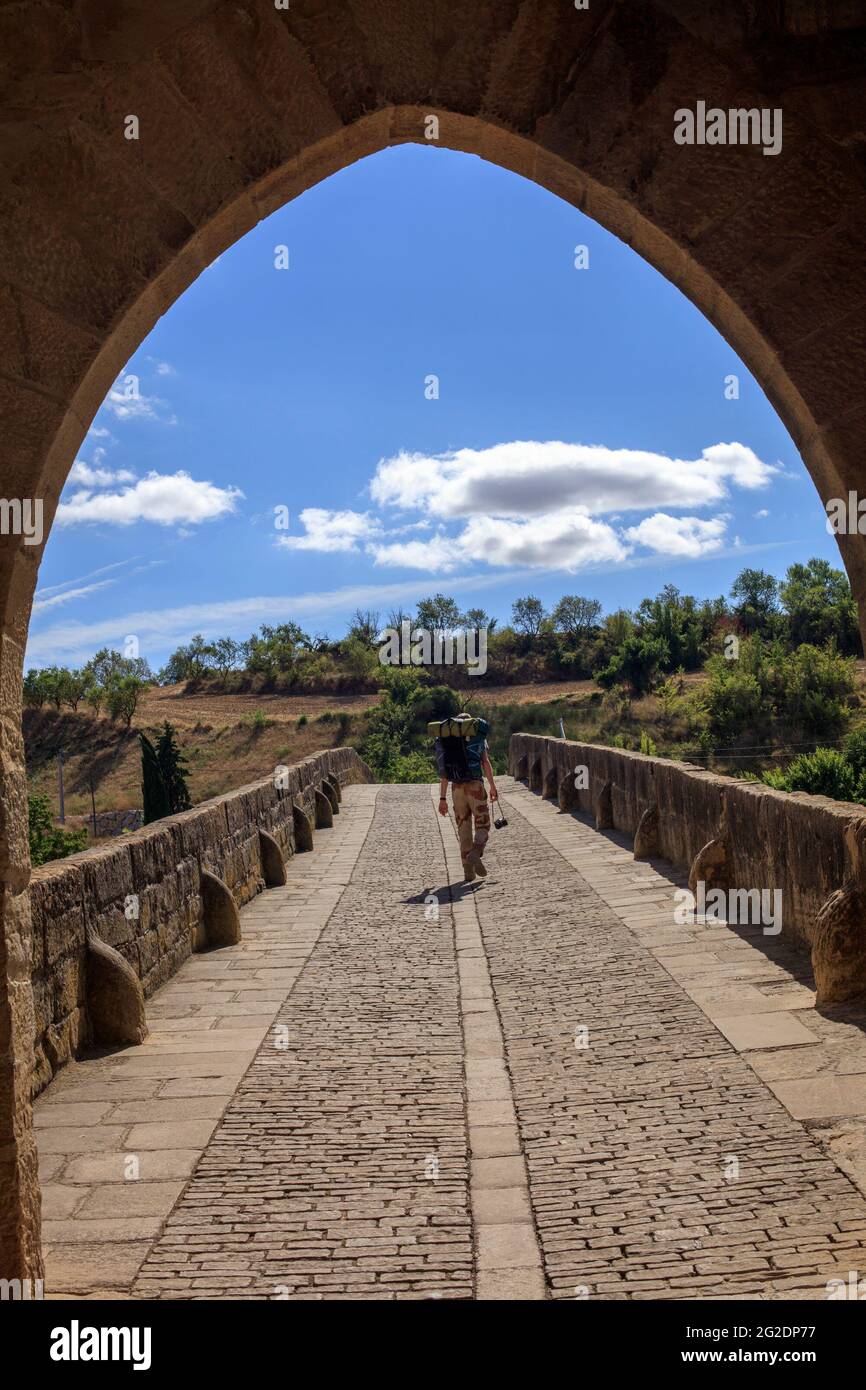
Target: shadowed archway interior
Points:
(242, 105)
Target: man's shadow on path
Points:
(446, 893)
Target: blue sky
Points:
(581, 441)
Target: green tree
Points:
(528, 615)
(814, 687)
(755, 595)
(173, 769)
(574, 615)
(635, 664)
(224, 653)
(439, 614)
(76, 686)
(681, 623)
(94, 696)
(109, 665)
(153, 789)
(48, 841)
(276, 650)
(122, 696)
(35, 689)
(818, 601)
(364, 627)
(479, 618)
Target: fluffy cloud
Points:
(567, 540)
(167, 499)
(87, 475)
(329, 531)
(537, 505)
(686, 536)
(530, 478)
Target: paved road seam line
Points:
(507, 1250)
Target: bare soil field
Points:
(184, 710)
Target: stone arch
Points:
(536, 778)
(550, 789)
(242, 106)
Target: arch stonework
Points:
(242, 106)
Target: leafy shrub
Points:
(412, 767)
(854, 749)
(826, 772)
(636, 664)
(48, 841)
(816, 685)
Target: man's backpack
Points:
(460, 745)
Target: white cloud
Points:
(762, 513)
(87, 475)
(527, 478)
(83, 578)
(167, 499)
(686, 536)
(567, 540)
(56, 600)
(129, 407)
(329, 531)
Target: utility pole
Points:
(60, 785)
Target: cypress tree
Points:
(172, 765)
(154, 795)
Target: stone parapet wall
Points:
(809, 847)
(141, 894)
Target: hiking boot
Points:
(474, 858)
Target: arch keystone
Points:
(220, 917)
(115, 998)
(273, 865)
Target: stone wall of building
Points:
(141, 894)
(736, 834)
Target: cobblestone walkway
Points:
(535, 1087)
(340, 1167)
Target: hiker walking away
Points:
(463, 759)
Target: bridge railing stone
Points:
(141, 894)
(810, 848)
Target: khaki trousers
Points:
(472, 813)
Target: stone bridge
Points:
(378, 1082)
(240, 106)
